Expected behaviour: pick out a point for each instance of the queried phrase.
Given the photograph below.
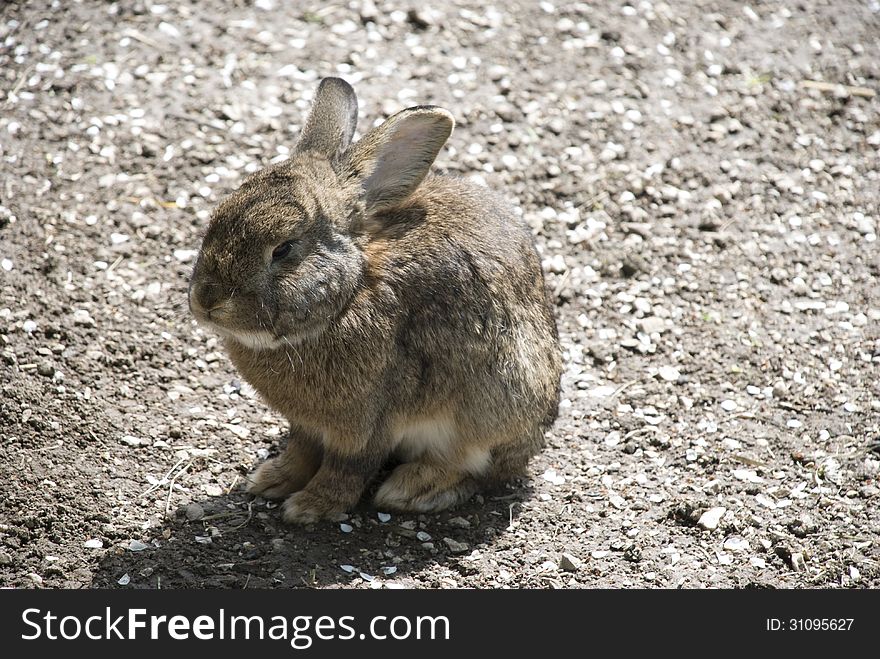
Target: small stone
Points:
(389, 570)
(556, 264)
(612, 438)
(137, 545)
(459, 522)
(728, 405)
(346, 528)
(384, 517)
(94, 543)
(46, 369)
(669, 373)
(124, 580)
(552, 477)
(130, 440)
(652, 325)
(194, 512)
(422, 536)
(710, 519)
(748, 475)
(569, 563)
(5, 558)
(185, 255)
(347, 568)
(83, 318)
(736, 543)
(455, 546)
(213, 490)
(169, 30)
(633, 554)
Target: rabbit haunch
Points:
(384, 312)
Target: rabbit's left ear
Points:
(332, 120)
(392, 159)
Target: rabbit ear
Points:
(392, 159)
(332, 120)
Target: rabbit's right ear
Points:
(332, 120)
(392, 159)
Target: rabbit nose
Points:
(205, 301)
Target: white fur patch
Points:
(255, 340)
(476, 461)
(425, 435)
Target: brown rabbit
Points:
(382, 312)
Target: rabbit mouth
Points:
(259, 340)
(254, 339)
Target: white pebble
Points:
(669, 373)
(556, 264)
(185, 255)
(710, 519)
(552, 477)
(728, 405)
(736, 543)
(169, 30)
(748, 475)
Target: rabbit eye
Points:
(282, 250)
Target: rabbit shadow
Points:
(238, 541)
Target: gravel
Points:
(702, 187)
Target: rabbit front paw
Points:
(271, 480)
(306, 508)
(289, 472)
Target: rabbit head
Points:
(281, 256)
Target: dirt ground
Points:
(702, 179)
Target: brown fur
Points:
(409, 317)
